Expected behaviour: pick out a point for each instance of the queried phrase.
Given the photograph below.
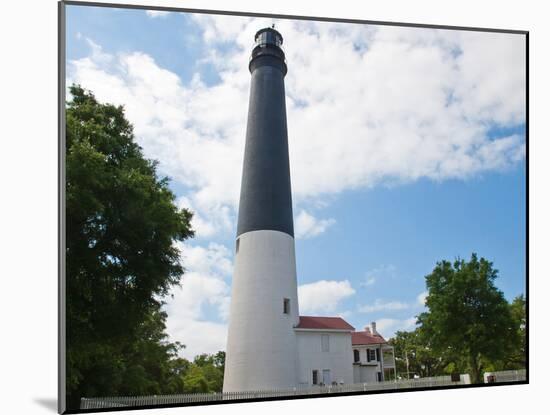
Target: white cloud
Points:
(388, 326)
(213, 260)
(344, 314)
(199, 336)
(156, 13)
(379, 273)
(200, 151)
(368, 282)
(209, 218)
(204, 283)
(380, 305)
(308, 226)
(399, 100)
(323, 295)
(382, 270)
(421, 298)
(366, 106)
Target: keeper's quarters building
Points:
(270, 346)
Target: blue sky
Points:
(406, 146)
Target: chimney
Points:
(367, 329)
(373, 326)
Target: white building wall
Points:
(338, 359)
(365, 372)
(261, 345)
(356, 374)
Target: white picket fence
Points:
(505, 376)
(128, 401)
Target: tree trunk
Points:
(475, 369)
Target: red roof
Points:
(363, 337)
(324, 323)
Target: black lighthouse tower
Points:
(266, 201)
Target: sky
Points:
(407, 147)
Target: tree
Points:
(518, 358)
(121, 227)
(195, 381)
(468, 317)
(413, 356)
(178, 368)
(212, 367)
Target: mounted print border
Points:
(258, 207)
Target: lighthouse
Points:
(262, 346)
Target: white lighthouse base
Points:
(261, 347)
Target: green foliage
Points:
(414, 357)
(212, 367)
(469, 326)
(518, 358)
(195, 381)
(203, 375)
(122, 223)
(468, 318)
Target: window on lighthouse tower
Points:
(286, 306)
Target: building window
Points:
(371, 355)
(324, 343)
(356, 357)
(379, 376)
(286, 306)
(326, 377)
(315, 375)
(377, 355)
(237, 246)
